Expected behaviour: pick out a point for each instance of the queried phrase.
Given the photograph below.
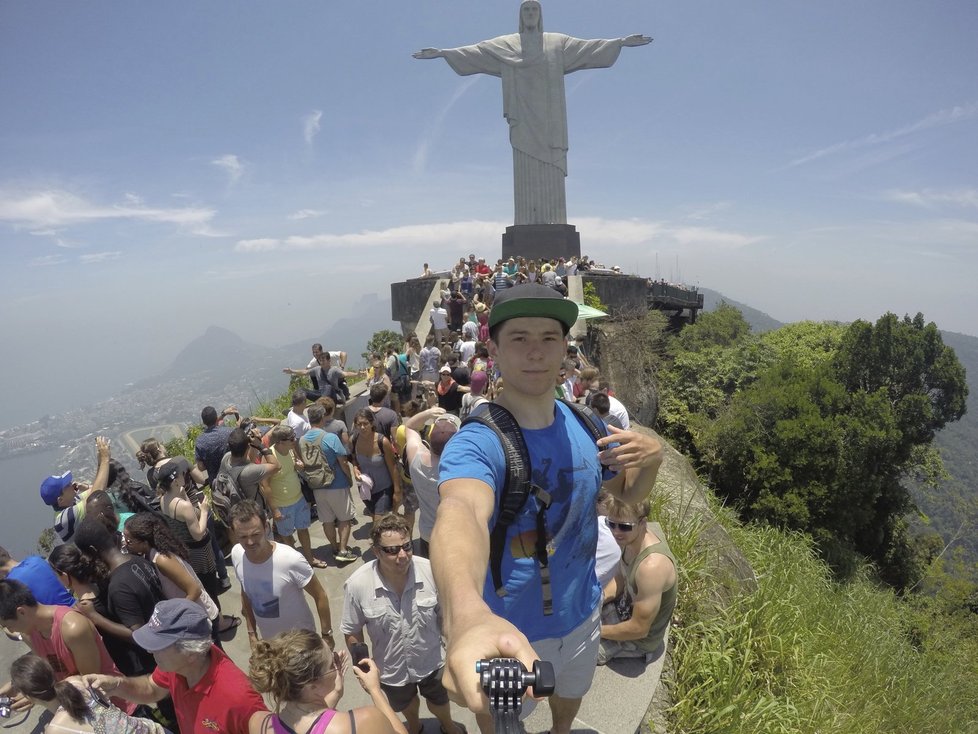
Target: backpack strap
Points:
(590, 420)
(517, 488)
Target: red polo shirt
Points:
(221, 702)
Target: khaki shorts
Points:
(334, 505)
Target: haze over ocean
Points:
(24, 515)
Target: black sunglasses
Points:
(625, 527)
(393, 550)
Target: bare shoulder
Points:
(655, 574)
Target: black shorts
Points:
(430, 687)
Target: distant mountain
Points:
(758, 320)
(952, 507)
(351, 334)
(217, 349)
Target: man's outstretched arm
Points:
(459, 559)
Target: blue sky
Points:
(167, 166)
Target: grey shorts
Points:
(430, 687)
(334, 505)
(574, 658)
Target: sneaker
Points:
(345, 556)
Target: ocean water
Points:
(22, 513)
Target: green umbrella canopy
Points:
(588, 312)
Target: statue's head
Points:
(531, 16)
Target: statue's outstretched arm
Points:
(429, 53)
(636, 39)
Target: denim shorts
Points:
(294, 517)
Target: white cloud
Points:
(52, 208)
(310, 125)
(932, 198)
(93, 258)
(448, 238)
(936, 119)
(45, 260)
(307, 214)
(699, 212)
(232, 166)
(257, 245)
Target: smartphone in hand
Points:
(358, 652)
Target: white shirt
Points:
(439, 318)
(298, 423)
(405, 630)
(618, 410)
(275, 589)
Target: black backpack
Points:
(518, 486)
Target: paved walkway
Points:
(616, 703)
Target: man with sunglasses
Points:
(394, 597)
(640, 599)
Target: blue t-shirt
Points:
(565, 464)
(332, 449)
(38, 576)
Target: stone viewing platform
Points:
(622, 294)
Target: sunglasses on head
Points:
(393, 550)
(625, 527)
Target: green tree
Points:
(380, 341)
(591, 297)
(907, 361)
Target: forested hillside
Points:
(817, 427)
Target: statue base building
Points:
(546, 241)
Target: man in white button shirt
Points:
(394, 597)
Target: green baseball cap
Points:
(532, 299)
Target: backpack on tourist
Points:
(401, 380)
(226, 491)
(316, 469)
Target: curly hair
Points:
(152, 529)
(68, 559)
(150, 451)
(282, 665)
(389, 523)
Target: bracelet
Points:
(265, 452)
(328, 633)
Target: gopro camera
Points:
(504, 681)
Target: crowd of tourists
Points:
(124, 618)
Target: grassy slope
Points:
(805, 654)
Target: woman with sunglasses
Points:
(374, 457)
(305, 681)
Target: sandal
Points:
(230, 623)
(316, 563)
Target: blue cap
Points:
(52, 487)
(173, 620)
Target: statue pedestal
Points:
(542, 241)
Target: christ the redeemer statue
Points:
(532, 65)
